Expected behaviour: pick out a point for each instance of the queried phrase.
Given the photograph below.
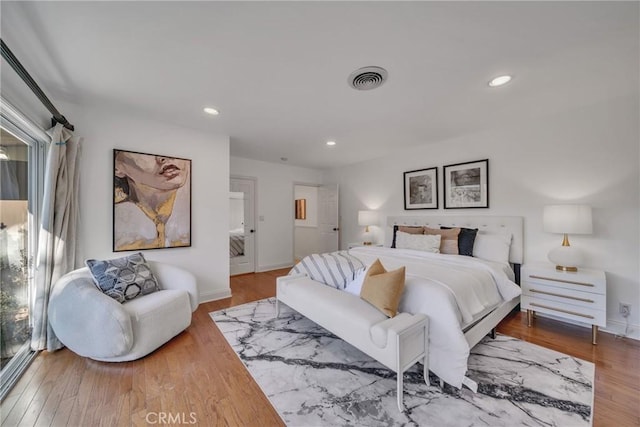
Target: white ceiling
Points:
(277, 71)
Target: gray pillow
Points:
(124, 278)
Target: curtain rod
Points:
(24, 75)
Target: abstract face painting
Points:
(151, 201)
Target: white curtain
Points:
(57, 237)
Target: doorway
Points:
(242, 231)
(316, 226)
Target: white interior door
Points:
(242, 230)
(328, 225)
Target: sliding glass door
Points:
(21, 173)
(15, 251)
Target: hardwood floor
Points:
(197, 379)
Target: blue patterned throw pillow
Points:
(124, 278)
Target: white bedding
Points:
(453, 290)
(236, 242)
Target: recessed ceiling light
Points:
(500, 80)
(331, 143)
(211, 111)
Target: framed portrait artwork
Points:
(151, 201)
(466, 185)
(421, 189)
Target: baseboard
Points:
(264, 268)
(215, 295)
(614, 327)
(617, 327)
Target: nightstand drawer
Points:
(564, 310)
(570, 281)
(564, 295)
(579, 296)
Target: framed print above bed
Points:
(466, 185)
(421, 189)
(151, 201)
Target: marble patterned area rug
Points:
(313, 378)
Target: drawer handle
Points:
(562, 280)
(562, 296)
(561, 310)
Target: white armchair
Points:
(95, 325)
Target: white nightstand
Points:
(360, 244)
(580, 296)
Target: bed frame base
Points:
(488, 324)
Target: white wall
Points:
(208, 257)
(307, 242)
(589, 155)
(20, 96)
(274, 211)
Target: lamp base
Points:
(566, 258)
(563, 268)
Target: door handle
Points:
(252, 230)
(336, 228)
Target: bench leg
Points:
(425, 361)
(400, 391)
(425, 370)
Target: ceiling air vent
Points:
(367, 78)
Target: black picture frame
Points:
(466, 185)
(421, 189)
(151, 201)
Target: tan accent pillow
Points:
(449, 239)
(411, 229)
(382, 288)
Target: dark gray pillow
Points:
(124, 278)
(466, 239)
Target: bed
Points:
(438, 286)
(236, 242)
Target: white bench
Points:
(398, 342)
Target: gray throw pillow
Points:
(124, 278)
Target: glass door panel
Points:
(15, 249)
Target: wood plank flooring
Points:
(197, 379)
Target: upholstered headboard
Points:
(490, 224)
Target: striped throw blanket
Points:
(334, 269)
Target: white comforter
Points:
(453, 291)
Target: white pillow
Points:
(419, 242)
(354, 286)
(492, 247)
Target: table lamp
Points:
(365, 219)
(567, 219)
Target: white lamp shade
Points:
(366, 218)
(567, 219)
